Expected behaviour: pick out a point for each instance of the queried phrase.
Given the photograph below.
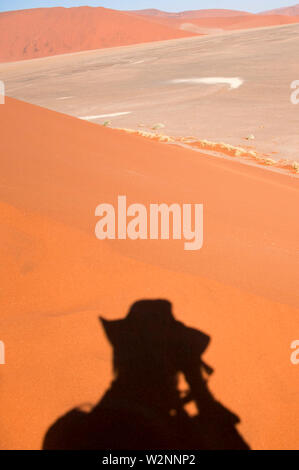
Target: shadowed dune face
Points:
(28, 34)
(241, 288)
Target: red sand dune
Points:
(219, 13)
(289, 11)
(57, 278)
(259, 21)
(225, 22)
(28, 34)
(244, 22)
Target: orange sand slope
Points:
(241, 288)
(28, 34)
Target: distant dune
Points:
(42, 32)
(27, 34)
(205, 23)
(290, 11)
(192, 13)
(245, 22)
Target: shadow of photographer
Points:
(143, 408)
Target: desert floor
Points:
(134, 86)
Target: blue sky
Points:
(167, 5)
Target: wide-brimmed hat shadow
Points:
(143, 408)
